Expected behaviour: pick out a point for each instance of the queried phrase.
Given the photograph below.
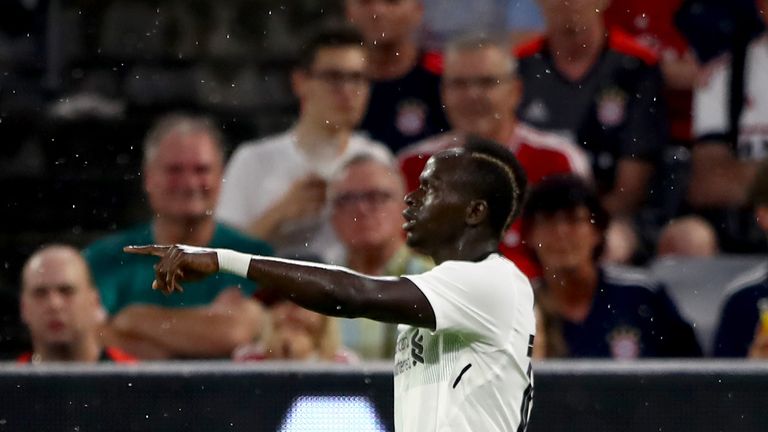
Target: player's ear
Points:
(477, 212)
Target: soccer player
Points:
(463, 362)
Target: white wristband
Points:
(233, 262)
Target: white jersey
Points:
(473, 373)
(259, 174)
(711, 102)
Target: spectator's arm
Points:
(718, 178)
(630, 188)
(305, 198)
(203, 332)
(139, 347)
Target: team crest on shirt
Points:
(624, 343)
(411, 117)
(611, 107)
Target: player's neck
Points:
(372, 261)
(572, 291)
(470, 247)
(194, 232)
(316, 140)
(388, 61)
(85, 350)
(574, 51)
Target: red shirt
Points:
(541, 154)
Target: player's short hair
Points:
(180, 122)
(331, 34)
(497, 176)
(566, 192)
(475, 41)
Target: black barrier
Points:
(190, 396)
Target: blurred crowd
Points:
(294, 130)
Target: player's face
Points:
(385, 21)
(334, 92)
(565, 240)
(436, 211)
(183, 179)
(479, 91)
(367, 206)
(58, 303)
(572, 15)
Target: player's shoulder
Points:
(630, 278)
(494, 269)
(430, 146)
(625, 44)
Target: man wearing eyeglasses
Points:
(480, 92)
(275, 187)
(366, 213)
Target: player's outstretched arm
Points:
(330, 290)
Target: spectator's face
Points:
(436, 212)
(183, 178)
(479, 92)
(334, 92)
(385, 21)
(289, 315)
(572, 15)
(367, 206)
(565, 240)
(58, 303)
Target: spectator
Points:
(743, 327)
(275, 188)
(367, 216)
(60, 307)
(405, 97)
(732, 136)
(480, 93)
(602, 89)
(183, 164)
(689, 236)
(298, 334)
(587, 309)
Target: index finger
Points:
(155, 250)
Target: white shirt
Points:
(472, 372)
(711, 103)
(260, 172)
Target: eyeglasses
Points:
(373, 198)
(338, 78)
(486, 82)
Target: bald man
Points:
(60, 307)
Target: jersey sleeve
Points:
(710, 103)
(468, 298)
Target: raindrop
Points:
(338, 307)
